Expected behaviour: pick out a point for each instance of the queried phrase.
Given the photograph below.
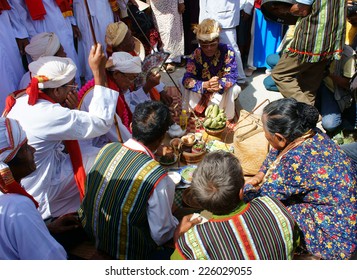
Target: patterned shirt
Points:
(317, 182)
(262, 229)
(201, 68)
(321, 34)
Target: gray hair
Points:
(217, 181)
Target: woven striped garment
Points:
(113, 211)
(263, 230)
(321, 34)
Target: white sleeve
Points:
(27, 235)
(161, 221)
(136, 97)
(18, 27)
(66, 124)
(306, 2)
(248, 6)
(23, 20)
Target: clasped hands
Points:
(212, 85)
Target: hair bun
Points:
(309, 115)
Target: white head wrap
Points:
(43, 44)
(52, 71)
(115, 33)
(125, 63)
(12, 137)
(207, 30)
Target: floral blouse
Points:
(317, 182)
(201, 68)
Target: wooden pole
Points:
(90, 22)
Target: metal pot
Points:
(278, 11)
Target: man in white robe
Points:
(48, 124)
(23, 234)
(101, 15)
(11, 69)
(53, 21)
(42, 44)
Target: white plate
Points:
(174, 176)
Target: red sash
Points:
(37, 9)
(72, 146)
(4, 5)
(66, 7)
(9, 185)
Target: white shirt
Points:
(161, 221)
(23, 234)
(226, 12)
(46, 125)
(133, 98)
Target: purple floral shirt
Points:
(317, 182)
(200, 68)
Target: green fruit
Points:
(215, 111)
(208, 110)
(221, 111)
(207, 122)
(214, 124)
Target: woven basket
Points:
(214, 132)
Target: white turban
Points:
(124, 62)
(43, 44)
(115, 33)
(52, 71)
(12, 137)
(207, 30)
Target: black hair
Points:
(290, 118)
(151, 120)
(217, 182)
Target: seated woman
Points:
(310, 174)
(211, 72)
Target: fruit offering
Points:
(215, 118)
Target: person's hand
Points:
(214, 85)
(255, 180)
(185, 225)
(300, 10)
(152, 80)
(166, 98)
(64, 223)
(96, 61)
(72, 100)
(21, 44)
(76, 32)
(181, 8)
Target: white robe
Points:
(53, 22)
(11, 69)
(225, 101)
(47, 125)
(101, 16)
(110, 136)
(23, 234)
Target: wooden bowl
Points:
(214, 132)
(191, 158)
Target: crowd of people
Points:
(82, 121)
